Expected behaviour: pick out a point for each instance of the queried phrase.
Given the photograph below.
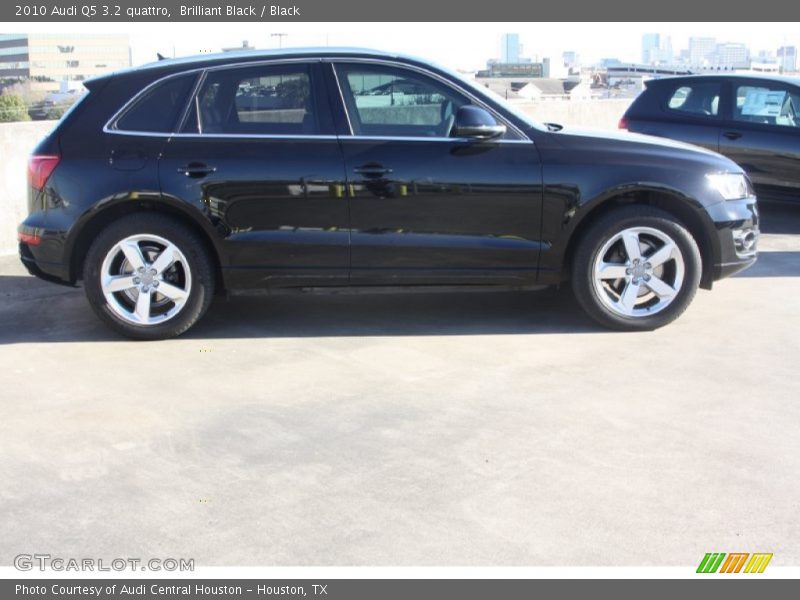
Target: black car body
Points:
(753, 120)
(308, 168)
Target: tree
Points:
(12, 108)
(58, 110)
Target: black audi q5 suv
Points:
(169, 183)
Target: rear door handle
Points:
(196, 170)
(732, 135)
(372, 170)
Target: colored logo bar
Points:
(734, 562)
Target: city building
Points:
(787, 59)
(605, 63)
(512, 63)
(519, 69)
(571, 61)
(245, 46)
(538, 89)
(666, 55)
(555, 89)
(651, 43)
(765, 67)
(701, 50)
(510, 48)
(765, 56)
(656, 49)
(732, 55)
(634, 74)
(59, 62)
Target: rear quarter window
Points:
(158, 108)
(699, 99)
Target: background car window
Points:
(159, 108)
(773, 105)
(259, 100)
(385, 101)
(701, 98)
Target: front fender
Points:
(569, 210)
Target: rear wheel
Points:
(637, 268)
(148, 277)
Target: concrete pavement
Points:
(467, 429)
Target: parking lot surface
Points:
(423, 429)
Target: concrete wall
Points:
(17, 140)
(604, 114)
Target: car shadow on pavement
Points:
(34, 311)
(779, 217)
(774, 264)
(397, 314)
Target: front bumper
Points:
(737, 231)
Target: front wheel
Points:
(148, 277)
(636, 269)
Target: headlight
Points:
(731, 186)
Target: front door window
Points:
(385, 101)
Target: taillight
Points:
(29, 238)
(623, 123)
(40, 167)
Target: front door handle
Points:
(732, 135)
(196, 169)
(372, 170)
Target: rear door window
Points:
(262, 100)
(698, 98)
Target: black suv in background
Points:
(308, 168)
(753, 120)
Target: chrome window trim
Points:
(110, 126)
(265, 62)
(193, 100)
(300, 137)
(243, 136)
(257, 136)
(443, 80)
(341, 98)
(423, 138)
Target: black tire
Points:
(198, 263)
(606, 229)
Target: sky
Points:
(464, 46)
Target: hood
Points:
(634, 145)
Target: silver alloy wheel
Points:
(638, 272)
(145, 279)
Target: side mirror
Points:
(475, 122)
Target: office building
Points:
(732, 55)
(787, 59)
(701, 50)
(510, 48)
(656, 49)
(61, 61)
